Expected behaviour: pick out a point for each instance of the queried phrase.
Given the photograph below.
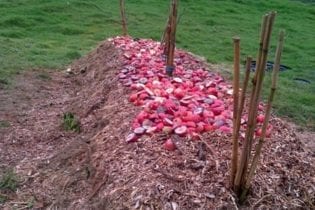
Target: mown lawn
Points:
(50, 34)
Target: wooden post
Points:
(236, 90)
(267, 115)
(123, 17)
(172, 38)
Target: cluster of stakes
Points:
(192, 101)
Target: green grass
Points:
(8, 181)
(70, 123)
(4, 124)
(50, 34)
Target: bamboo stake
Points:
(267, 115)
(123, 17)
(240, 170)
(252, 115)
(246, 153)
(261, 42)
(236, 89)
(244, 89)
(260, 78)
(240, 109)
(172, 38)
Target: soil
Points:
(96, 169)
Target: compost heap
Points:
(194, 101)
(164, 112)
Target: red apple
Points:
(181, 130)
(133, 97)
(169, 145)
(260, 118)
(208, 128)
(218, 110)
(179, 93)
(225, 129)
(131, 138)
(139, 131)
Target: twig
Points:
(97, 188)
(260, 200)
(213, 153)
(152, 165)
(168, 176)
(24, 207)
(3, 195)
(233, 201)
(65, 184)
(19, 202)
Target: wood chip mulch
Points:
(96, 169)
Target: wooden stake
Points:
(123, 17)
(167, 25)
(267, 115)
(163, 38)
(166, 38)
(236, 89)
(241, 166)
(172, 39)
(261, 42)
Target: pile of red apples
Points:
(193, 101)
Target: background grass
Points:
(50, 34)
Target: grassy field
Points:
(50, 34)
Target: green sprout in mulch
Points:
(70, 122)
(4, 124)
(43, 76)
(8, 183)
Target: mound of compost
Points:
(97, 169)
